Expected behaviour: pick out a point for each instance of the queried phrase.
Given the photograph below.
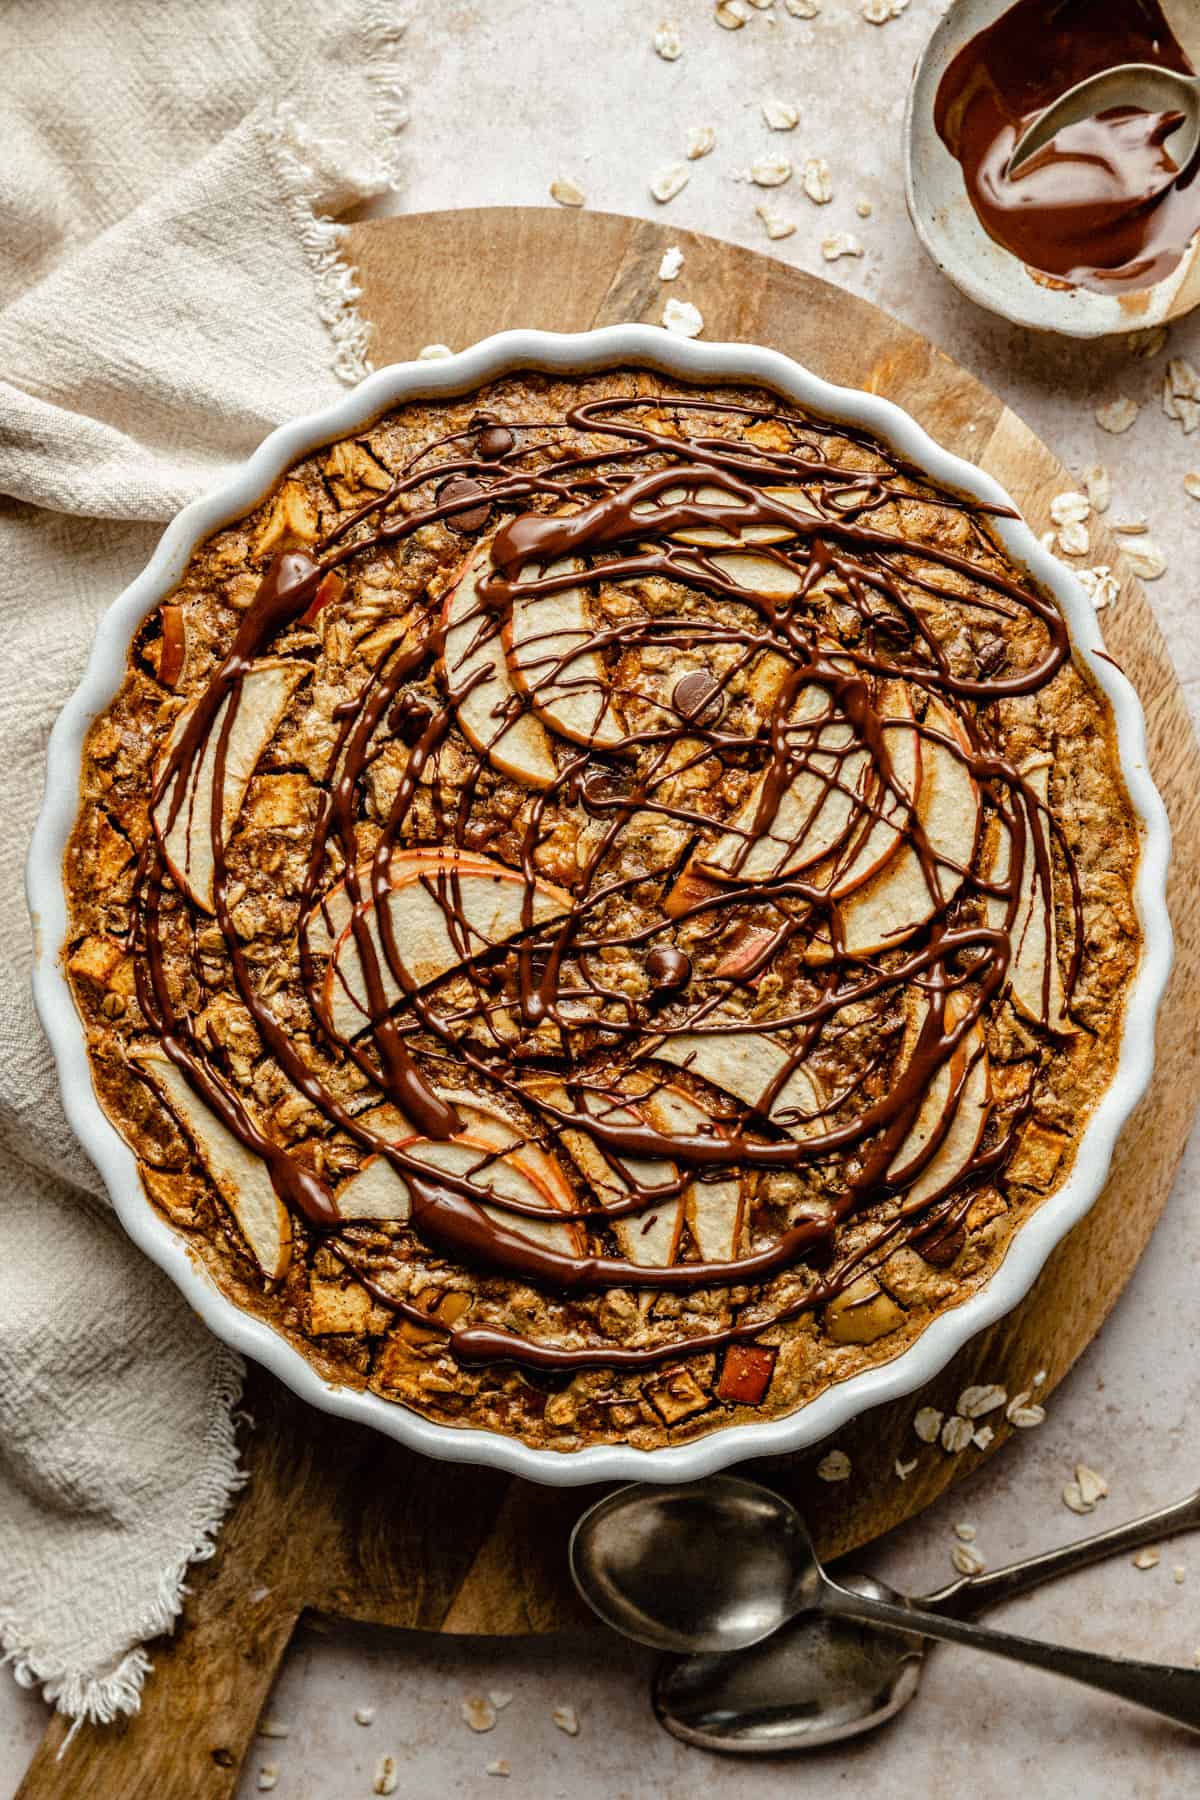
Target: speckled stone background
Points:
(506, 96)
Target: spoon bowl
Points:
(1144, 87)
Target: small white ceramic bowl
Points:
(947, 225)
(649, 347)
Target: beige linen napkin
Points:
(170, 290)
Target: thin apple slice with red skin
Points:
(900, 898)
(748, 1065)
(441, 914)
(814, 808)
(547, 639)
(240, 1177)
(1035, 981)
(797, 499)
(963, 1082)
(185, 831)
(713, 1209)
(478, 682)
(331, 915)
(489, 1170)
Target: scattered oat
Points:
(1145, 344)
(964, 1533)
(272, 1728)
(567, 1719)
(668, 182)
(1118, 415)
(1101, 584)
(781, 115)
(268, 1775)
(1179, 1574)
(1039, 1378)
(668, 42)
(499, 1767)
(983, 1437)
(1070, 508)
(1024, 1416)
(1097, 485)
(431, 353)
(762, 5)
(878, 12)
(816, 180)
(1147, 1559)
(842, 243)
(774, 223)
(1191, 484)
(672, 262)
(500, 1698)
(905, 1469)
(967, 1559)
(1073, 539)
(1146, 559)
(803, 9)
(364, 1715)
(956, 1434)
(1092, 1485)
(1130, 527)
(732, 14)
(770, 171)
(834, 1467)
(1181, 394)
(1073, 1497)
(684, 319)
(386, 1778)
(973, 1402)
(478, 1713)
(863, 208)
(701, 139)
(927, 1424)
(566, 191)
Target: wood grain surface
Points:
(338, 1520)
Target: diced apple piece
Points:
(746, 1064)
(329, 591)
(1034, 977)
(240, 1177)
(478, 681)
(466, 908)
(547, 640)
(262, 699)
(900, 899)
(746, 1373)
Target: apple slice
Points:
(240, 1177)
(746, 1064)
(898, 900)
(443, 911)
(798, 499)
(1034, 976)
(713, 1209)
(967, 1071)
(759, 574)
(331, 915)
(547, 639)
(902, 741)
(491, 1172)
(814, 808)
(262, 699)
(478, 682)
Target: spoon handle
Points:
(1172, 1692)
(963, 1598)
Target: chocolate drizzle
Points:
(860, 1066)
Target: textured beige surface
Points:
(507, 96)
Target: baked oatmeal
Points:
(602, 905)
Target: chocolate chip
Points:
(697, 697)
(409, 718)
(991, 653)
(471, 519)
(495, 440)
(668, 968)
(940, 1249)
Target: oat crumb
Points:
(863, 208)
(272, 1728)
(386, 1778)
(684, 319)
(672, 262)
(500, 1698)
(982, 1437)
(1147, 1559)
(967, 1560)
(927, 1424)
(1092, 1486)
(1024, 1415)
(566, 191)
(835, 1466)
(701, 139)
(841, 243)
(667, 41)
(1097, 485)
(478, 1713)
(268, 1775)
(1191, 484)
(1101, 584)
(731, 14)
(774, 223)
(956, 1434)
(1118, 415)
(905, 1469)
(567, 1719)
(964, 1533)
(817, 181)
(433, 353)
(667, 182)
(499, 1767)
(973, 1402)
(1179, 1574)
(364, 1715)
(770, 171)
(1145, 559)
(780, 115)
(802, 9)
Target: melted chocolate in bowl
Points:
(1103, 206)
(731, 1050)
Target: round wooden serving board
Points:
(339, 1520)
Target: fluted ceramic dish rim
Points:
(582, 353)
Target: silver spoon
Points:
(819, 1680)
(719, 1565)
(1141, 85)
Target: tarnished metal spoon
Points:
(1143, 86)
(719, 1565)
(819, 1680)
